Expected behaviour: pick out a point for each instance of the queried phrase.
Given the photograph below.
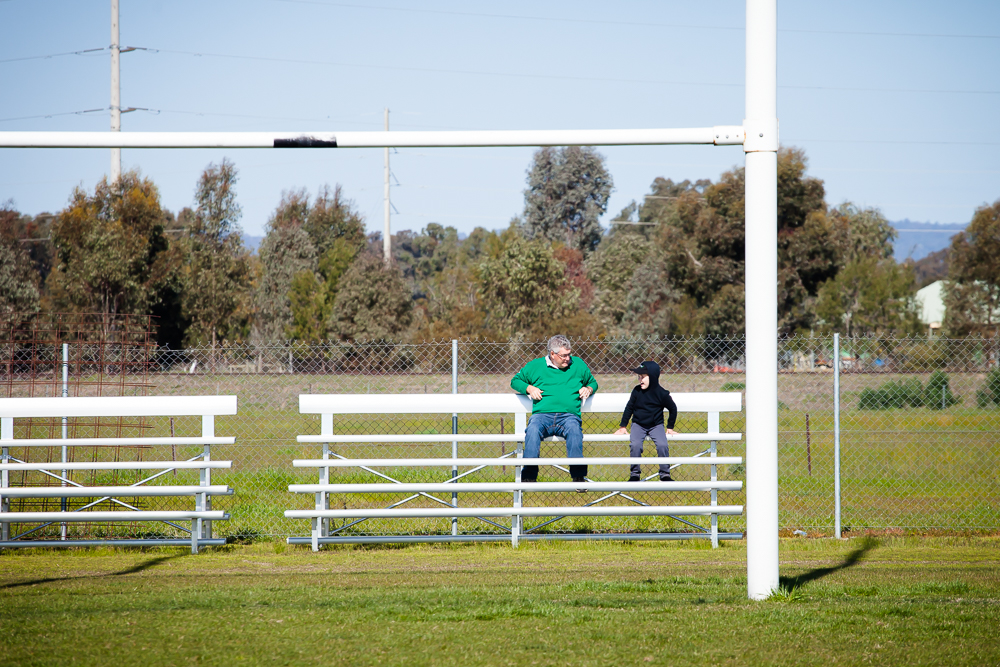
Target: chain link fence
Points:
(919, 424)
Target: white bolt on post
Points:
(761, 148)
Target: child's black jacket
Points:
(645, 406)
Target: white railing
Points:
(330, 405)
(201, 517)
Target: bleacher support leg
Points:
(326, 428)
(205, 476)
(520, 425)
(7, 433)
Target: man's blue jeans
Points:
(564, 424)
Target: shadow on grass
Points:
(139, 567)
(792, 583)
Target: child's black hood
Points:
(653, 371)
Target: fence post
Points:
(6, 433)
(454, 430)
(64, 528)
(836, 435)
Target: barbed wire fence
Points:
(919, 423)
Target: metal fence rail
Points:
(919, 422)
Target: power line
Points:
(124, 49)
(52, 115)
(434, 70)
(54, 55)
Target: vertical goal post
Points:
(759, 137)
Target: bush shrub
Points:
(989, 395)
(912, 393)
(938, 394)
(893, 395)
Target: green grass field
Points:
(914, 601)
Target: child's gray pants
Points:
(659, 436)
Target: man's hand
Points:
(622, 431)
(585, 392)
(535, 393)
(671, 431)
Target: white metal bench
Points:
(329, 405)
(201, 517)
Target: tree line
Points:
(671, 264)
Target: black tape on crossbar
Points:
(304, 142)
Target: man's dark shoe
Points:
(580, 480)
(530, 480)
(666, 478)
(635, 478)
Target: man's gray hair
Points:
(560, 342)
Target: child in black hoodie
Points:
(645, 407)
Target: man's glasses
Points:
(563, 355)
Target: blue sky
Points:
(895, 103)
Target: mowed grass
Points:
(918, 601)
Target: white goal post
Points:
(758, 135)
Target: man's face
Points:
(561, 358)
(644, 381)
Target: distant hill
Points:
(917, 240)
(931, 268)
(252, 243)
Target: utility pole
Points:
(116, 102)
(386, 242)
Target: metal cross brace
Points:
(625, 496)
(449, 480)
(100, 500)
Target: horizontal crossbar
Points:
(487, 487)
(529, 537)
(722, 135)
(498, 403)
(40, 517)
(152, 542)
(111, 491)
(564, 461)
(112, 442)
(493, 437)
(117, 406)
(444, 512)
(119, 465)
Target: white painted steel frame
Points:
(94, 491)
(722, 135)
(477, 512)
(761, 285)
(329, 405)
(122, 406)
(759, 137)
(140, 515)
(114, 442)
(601, 402)
(120, 465)
(493, 487)
(118, 406)
(541, 461)
(497, 437)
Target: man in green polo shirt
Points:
(557, 384)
